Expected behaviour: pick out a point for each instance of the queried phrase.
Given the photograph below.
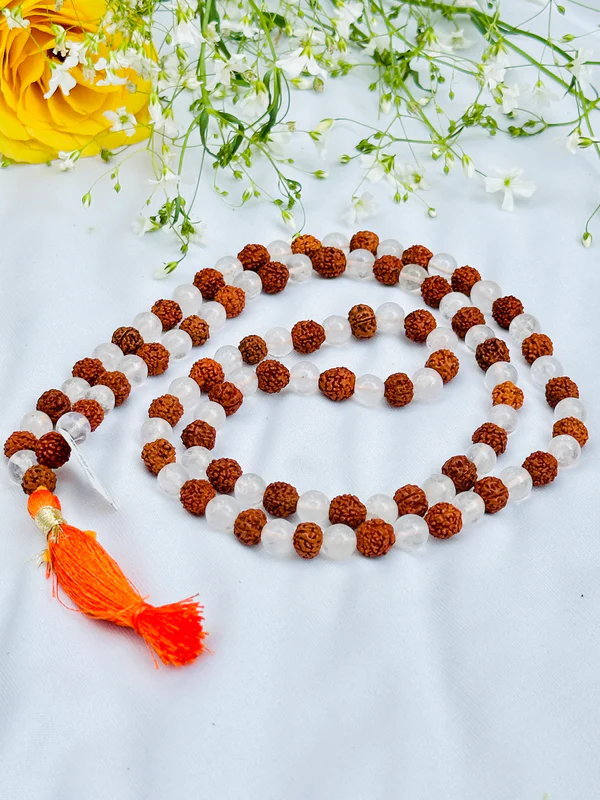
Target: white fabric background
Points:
(469, 671)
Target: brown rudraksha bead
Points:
(248, 526)
(274, 277)
(463, 279)
(119, 384)
(308, 538)
(168, 407)
(253, 349)
(363, 321)
(306, 244)
(542, 467)
(444, 520)
(387, 270)
(89, 369)
(417, 254)
(92, 410)
(207, 373)
(559, 388)
(233, 300)
(254, 256)
(169, 313)
(492, 434)
(445, 363)
(433, 289)
(272, 376)
(227, 395)
(19, 440)
(461, 471)
(128, 339)
(346, 509)
(197, 329)
(329, 262)
(199, 433)
(195, 495)
(280, 499)
(307, 336)
(536, 345)
(156, 357)
(493, 493)
(490, 351)
(37, 477)
(54, 403)
(507, 394)
(365, 240)
(337, 383)
(411, 499)
(399, 389)
(157, 454)
(571, 426)
(223, 474)
(374, 538)
(465, 318)
(419, 324)
(208, 281)
(505, 309)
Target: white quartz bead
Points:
(565, 449)
(171, 478)
(134, 368)
(411, 277)
(337, 330)
(470, 505)
(249, 490)
(500, 372)
(382, 506)
(155, 428)
(148, 325)
(360, 263)
(186, 390)
(390, 317)
(249, 282)
(451, 303)
(19, 463)
(570, 407)
(522, 326)
(339, 541)
(245, 379)
(278, 249)
(368, 390)
(221, 513)
(313, 506)
(109, 354)
(213, 314)
(518, 482)
(442, 262)
(390, 247)
(483, 456)
(439, 488)
(279, 342)
(427, 384)
(505, 416)
(411, 532)
(442, 338)
(483, 295)
(75, 388)
(304, 377)
(277, 537)
(178, 342)
(188, 297)
(36, 422)
(76, 425)
(103, 395)
(195, 460)
(300, 267)
(212, 413)
(339, 240)
(229, 357)
(478, 334)
(544, 368)
(230, 267)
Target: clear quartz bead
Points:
(483, 295)
(179, 342)
(221, 513)
(442, 262)
(470, 505)
(277, 537)
(75, 388)
(570, 407)
(171, 478)
(339, 541)
(390, 247)
(279, 342)
(300, 267)
(483, 456)
(339, 240)
(19, 463)
(382, 506)
(212, 413)
(229, 357)
(565, 449)
(76, 425)
(103, 395)
(544, 368)
(390, 317)
(188, 297)
(505, 416)
(36, 422)
(279, 249)
(109, 354)
(148, 325)
(304, 377)
(500, 372)
(155, 428)
(245, 379)
(213, 314)
(518, 482)
(134, 368)
(427, 384)
(439, 488)
(313, 506)
(522, 326)
(230, 267)
(337, 330)
(249, 490)
(186, 390)
(249, 282)
(411, 532)
(442, 338)
(368, 390)
(411, 277)
(478, 334)
(195, 460)
(451, 303)
(360, 263)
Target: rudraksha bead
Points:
(306, 244)
(128, 339)
(387, 270)
(195, 495)
(91, 410)
(19, 440)
(542, 467)
(507, 394)
(223, 474)
(363, 321)
(248, 526)
(253, 349)
(559, 388)
(197, 329)
(199, 433)
(444, 520)
(399, 389)
(169, 313)
(37, 477)
(54, 403)
(52, 450)
(307, 336)
(207, 373)
(280, 499)
(346, 509)
(119, 384)
(463, 279)
(168, 407)
(492, 434)
(571, 426)
(272, 376)
(374, 538)
(445, 363)
(433, 289)
(337, 383)
(465, 318)
(233, 300)
(417, 254)
(490, 351)
(536, 345)
(254, 256)
(308, 538)
(365, 240)
(329, 262)
(227, 395)
(89, 369)
(505, 309)
(461, 471)
(208, 281)
(419, 324)
(157, 454)
(274, 277)
(156, 357)
(411, 499)
(493, 493)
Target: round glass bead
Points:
(212, 413)
(439, 488)
(483, 295)
(134, 368)
(522, 326)
(313, 506)
(229, 267)
(451, 303)
(505, 416)
(565, 449)
(179, 342)
(339, 240)
(427, 385)
(483, 456)
(411, 277)
(500, 372)
(390, 317)
(368, 390)
(381, 506)
(213, 314)
(245, 379)
(277, 537)
(304, 377)
(411, 532)
(249, 490)
(76, 425)
(300, 267)
(390, 247)
(360, 263)
(442, 338)
(109, 354)
(470, 505)
(103, 395)
(249, 282)
(155, 428)
(19, 463)
(278, 249)
(229, 357)
(186, 390)
(221, 513)
(339, 541)
(148, 325)
(171, 478)
(188, 297)
(36, 422)
(544, 368)
(337, 330)
(570, 407)
(478, 334)
(442, 262)
(75, 388)
(195, 460)
(518, 482)
(279, 342)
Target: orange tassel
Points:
(95, 582)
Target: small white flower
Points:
(289, 220)
(580, 70)
(361, 207)
(67, 160)
(299, 61)
(168, 182)
(142, 225)
(212, 36)
(412, 176)
(378, 170)
(162, 121)
(255, 102)
(510, 97)
(493, 73)
(468, 166)
(542, 96)
(78, 49)
(510, 182)
(61, 77)
(198, 236)
(320, 136)
(110, 76)
(121, 120)
(14, 18)
(224, 69)
(576, 142)
(346, 15)
(186, 31)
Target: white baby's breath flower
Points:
(224, 69)
(412, 176)
(289, 220)
(187, 31)
(122, 120)
(320, 136)
(168, 182)
(346, 15)
(377, 169)
(493, 73)
(67, 160)
(163, 121)
(510, 97)
(255, 102)
(212, 35)
(581, 70)
(240, 25)
(468, 166)
(14, 18)
(511, 183)
(542, 95)
(61, 77)
(576, 142)
(361, 207)
(299, 61)
(142, 225)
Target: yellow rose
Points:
(65, 100)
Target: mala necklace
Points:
(458, 495)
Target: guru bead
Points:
(37, 477)
(52, 450)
